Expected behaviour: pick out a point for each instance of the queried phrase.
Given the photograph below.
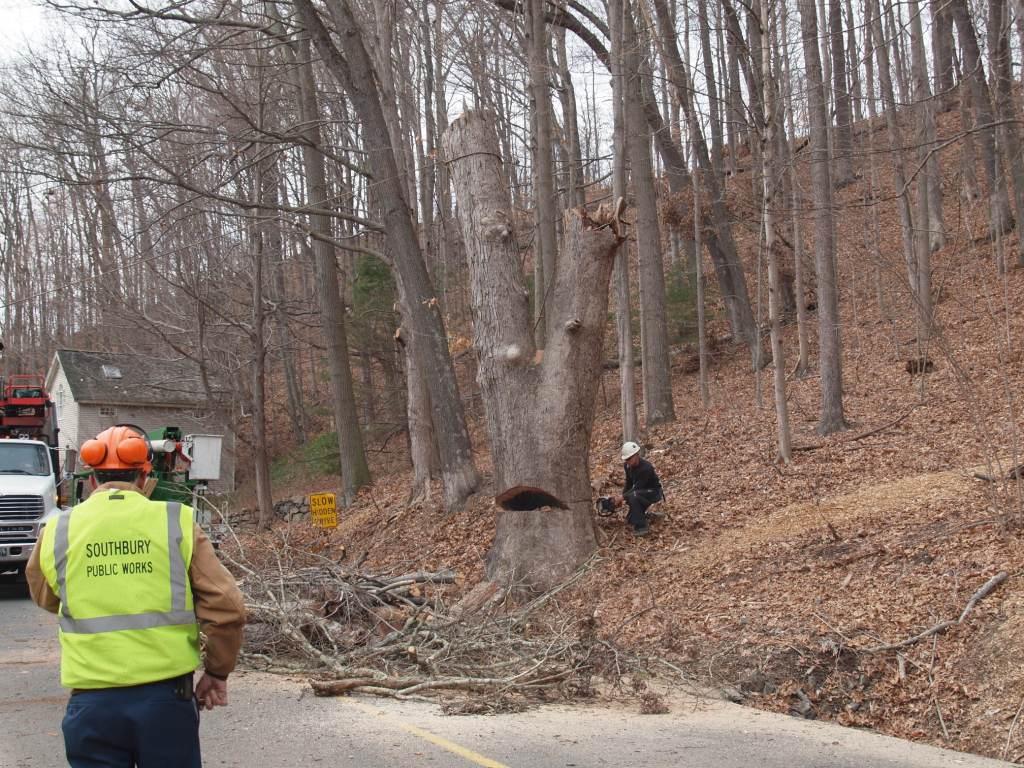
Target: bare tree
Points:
(771, 243)
(539, 408)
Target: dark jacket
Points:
(643, 479)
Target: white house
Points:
(96, 390)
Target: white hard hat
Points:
(629, 449)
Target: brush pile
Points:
(395, 635)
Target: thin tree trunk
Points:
(933, 228)
(942, 51)
(796, 209)
(968, 149)
(770, 239)
(1000, 218)
(355, 472)
(1006, 107)
(623, 309)
(657, 382)
(895, 144)
(843, 139)
(869, 69)
(712, 88)
(545, 201)
(702, 341)
(261, 461)
(575, 192)
(852, 65)
(829, 345)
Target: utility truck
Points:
(29, 466)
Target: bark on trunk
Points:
(942, 51)
(933, 234)
(771, 244)
(895, 144)
(657, 382)
(709, 78)
(843, 141)
(539, 409)
(575, 193)
(1000, 218)
(623, 308)
(796, 209)
(1006, 107)
(545, 202)
(829, 346)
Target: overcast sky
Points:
(21, 21)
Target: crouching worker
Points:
(132, 581)
(641, 490)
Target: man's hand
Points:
(211, 692)
(618, 501)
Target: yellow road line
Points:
(433, 738)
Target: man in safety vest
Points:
(132, 581)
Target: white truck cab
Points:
(28, 497)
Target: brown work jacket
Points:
(219, 607)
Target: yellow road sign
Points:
(323, 510)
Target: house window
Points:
(108, 410)
(111, 372)
(60, 396)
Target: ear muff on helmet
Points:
(133, 451)
(93, 452)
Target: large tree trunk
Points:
(829, 346)
(539, 409)
(354, 71)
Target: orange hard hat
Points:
(118, 448)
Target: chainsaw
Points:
(604, 506)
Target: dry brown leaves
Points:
(774, 579)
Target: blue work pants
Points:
(149, 726)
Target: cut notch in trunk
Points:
(522, 498)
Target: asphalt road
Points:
(273, 721)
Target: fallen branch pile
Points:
(393, 635)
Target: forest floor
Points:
(777, 580)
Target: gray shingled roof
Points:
(143, 380)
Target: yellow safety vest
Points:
(119, 564)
